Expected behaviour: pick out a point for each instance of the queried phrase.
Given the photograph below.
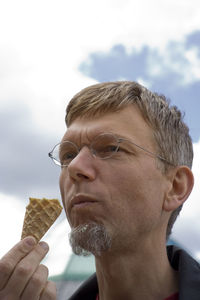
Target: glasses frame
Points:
(118, 140)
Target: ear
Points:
(181, 184)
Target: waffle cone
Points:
(40, 215)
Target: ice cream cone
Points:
(40, 215)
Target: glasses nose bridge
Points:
(89, 147)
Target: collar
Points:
(189, 277)
(189, 273)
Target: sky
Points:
(49, 50)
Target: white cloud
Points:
(45, 29)
(44, 42)
(11, 221)
(44, 93)
(194, 61)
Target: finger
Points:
(36, 284)
(25, 269)
(49, 293)
(11, 259)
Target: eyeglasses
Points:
(104, 146)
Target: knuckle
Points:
(6, 267)
(23, 270)
(39, 278)
(24, 250)
(21, 249)
(36, 280)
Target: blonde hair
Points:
(170, 132)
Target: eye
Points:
(67, 153)
(105, 151)
(67, 157)
(111, 148)
(105, 145)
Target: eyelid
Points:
(129, 146)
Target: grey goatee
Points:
(89, 238)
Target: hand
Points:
(22, 277)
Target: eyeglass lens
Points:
(104, 146)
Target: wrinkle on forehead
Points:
(85, 136)
(128, 123)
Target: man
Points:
(125, 162)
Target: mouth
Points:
(81, 200)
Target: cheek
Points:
(63, 184)
(135, 192)
(126, 183)
(123, 192)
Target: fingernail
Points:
(30, 241)
(44, 246)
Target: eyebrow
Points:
(99, 132)
(73, 135)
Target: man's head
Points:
(126, 159)
(171, 134)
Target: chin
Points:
(89, 237)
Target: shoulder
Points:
(188, 272)
(180, 259)
(88, 290)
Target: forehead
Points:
(127, 123)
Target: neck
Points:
(139, 275)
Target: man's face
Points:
(124, 193)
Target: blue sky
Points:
(171, 79)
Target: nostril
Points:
(82, 176)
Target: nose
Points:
(82, 166)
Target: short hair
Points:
(170, 132)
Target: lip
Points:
(81, 200)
